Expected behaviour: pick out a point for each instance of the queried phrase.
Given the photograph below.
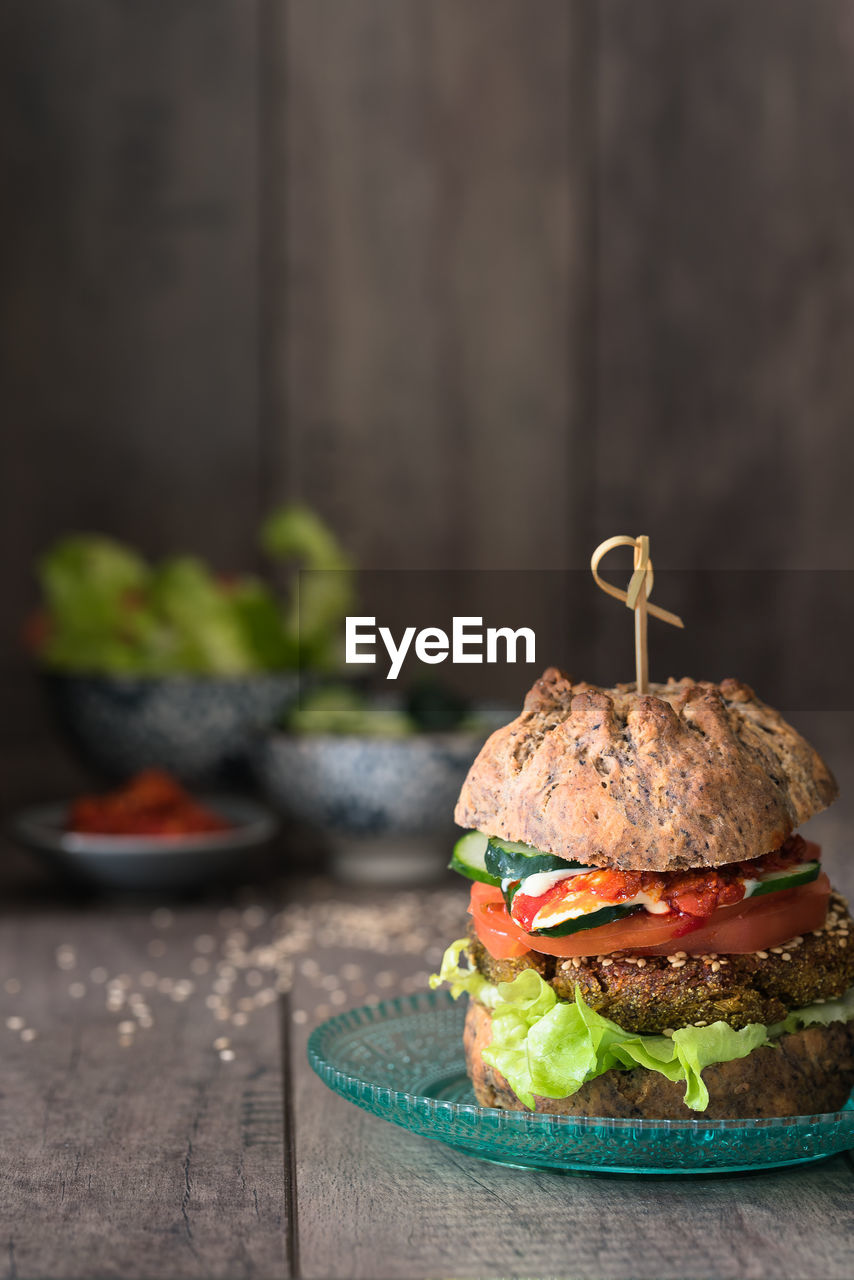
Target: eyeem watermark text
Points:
(469, 642)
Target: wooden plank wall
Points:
(128, 300)
(483, 288)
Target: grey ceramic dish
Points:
(147, 862)
(199, 728)
(383, 806)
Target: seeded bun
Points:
(691, 775)
(806, 1073)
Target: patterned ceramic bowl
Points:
(199, 728)
(384, 806)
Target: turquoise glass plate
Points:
(403, 1060)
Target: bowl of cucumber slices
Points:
(374, 781)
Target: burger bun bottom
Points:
(806, 1073)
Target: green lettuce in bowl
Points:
(173, 665)
(106, 610)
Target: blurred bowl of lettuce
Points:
(173, 665)
(375, 781)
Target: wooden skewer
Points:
(640, 608)
(635, 598)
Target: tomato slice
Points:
(754, 924)
(501, 936)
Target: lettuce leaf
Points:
(841, 1010)
(107, 610)
(460, 979)
(325, 590)
(551, 1047)
(91, 587)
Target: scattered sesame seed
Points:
(701, 1024)
(127, 1028)
(787, 955)
(98, 974)
(640, 962)
(339, 997)
(125, 1041)
(165, 986)
(227, 1055)
(322, 1011)
(221, 1042)
(222, 1014)
(351, 971)
(677, 964)
(212, 1002)
(65, 957)
(606, 963)
(763, 955)
(77, 990)
(777, 951)
(15, 1023)
(681, 955)
(715, 966)
(29, 1034)
(299, 1016)
(239, 1019)
(668, 1031)
(843, 942)
(246, 1003)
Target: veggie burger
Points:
(649, 935)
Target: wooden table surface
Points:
(159, 1117)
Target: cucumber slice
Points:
(507, 860)
(590, 921)
(789, 878)
(468, 858)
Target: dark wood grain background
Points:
(483, 284)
